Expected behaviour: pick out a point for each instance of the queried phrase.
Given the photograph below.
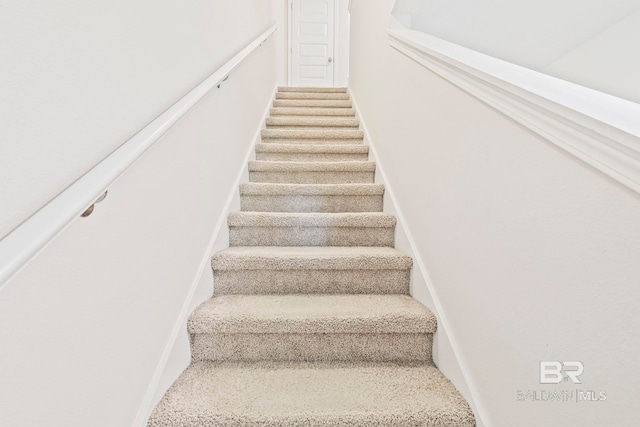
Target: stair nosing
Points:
(341, 133)
(312, 112)
(262, 147)
(412, 392)
(310, 258)
(312, 219)
(288, 166)
(276, 189)
(275, 314)
(312, 89)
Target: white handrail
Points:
(28, 239)
(600, 129)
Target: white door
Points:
(312, 33)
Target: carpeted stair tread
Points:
(311, 270)
(312, 134)
(266, 189)
(311, 229)
(312, 314)
(313, 219)
(306, 327)
(312, 95)
(304, 122)
(312, 172)
(310, 148)
(297, 394)
(309, 141)
(314, 103)
(313, 112)
(309, 152)
(311, 321)
(313, 89)
(310, 258)
(314, 128)
(260, 166)
(267, 197)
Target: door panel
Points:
(313, 72)
(312, 43)
(313, 50)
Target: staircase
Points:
(311, 323)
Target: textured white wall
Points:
(532, 34)
(608, 62)
(533, 253)
(280, 14)
(342, 44)
(84, 325)
(79, 78)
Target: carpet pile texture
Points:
(311, 322)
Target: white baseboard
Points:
(468, 388)
(150, 399)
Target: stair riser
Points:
(304, 122)
(313, 89)
(238, 282)
(311, 236)
(332, 141)
(331, 203)
(312, 157)
(312, 305)
(312, 127)
(320, 103)
(313, 112)
(315, 134)
(312, 177)
(312, 347)
(312, 95)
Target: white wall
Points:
(593, 44)
(608, 62)
(342, 44)
(87, 325)
(80, 78)
(281, 17)
(532, 34)
(532, 253)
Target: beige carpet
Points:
(311, 323)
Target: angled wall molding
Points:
(599, 129)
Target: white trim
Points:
(600, 129)
(33, 235)
(443, 321)
(289, 42)
(146, 407)
(336, 31)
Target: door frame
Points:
(290, 39)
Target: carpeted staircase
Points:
(311, 323)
